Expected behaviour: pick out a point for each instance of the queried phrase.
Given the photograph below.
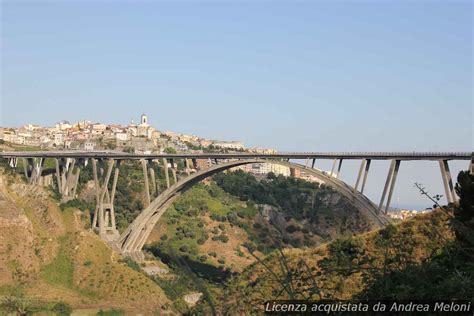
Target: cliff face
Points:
(48, 255)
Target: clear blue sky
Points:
(305, 75)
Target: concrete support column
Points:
(362, 166)
(333, 167)
(392, 184)
(147, 184)
(387, 182)
(97, 192)
(58, 176)
(366, 173)
(153, 182)
(25, 168)
(450, 181)
(339, 168)
(104, 190)
(167, 176)
(188, 169)
(76, 182)
(112, 199)
(445, 177)
(312, 164)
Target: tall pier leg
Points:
(312, 164)
(362, 166)
(339, 168)
(366, 173)
(445, 178)
(25, 168)
(104, 190)
(188, 168)
(387, 182)
(58, 176)
(97, 192)
(153, 181)
(175, 178)
(147, 185)
(167, 176)
(112, 198)
(173, 171)
(450, 181)
(392, 184)
(333, 167)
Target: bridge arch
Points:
(132, 240)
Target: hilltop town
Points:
(137, 138)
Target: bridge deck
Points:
(280, 155)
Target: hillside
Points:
(426, 257)
(47, 256)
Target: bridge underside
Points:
(134, 237)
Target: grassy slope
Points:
(322, 272)
(66, 262)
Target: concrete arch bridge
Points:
(132, 240)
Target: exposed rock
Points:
(192, 298)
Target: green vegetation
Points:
(427, 257)
(60, 270)
(16, 302)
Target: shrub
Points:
(62, 309)
(224, 238)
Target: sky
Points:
(290, 75)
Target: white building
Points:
(99, 126)
(229, 145)
(89, 145)
(58, 139)
(121, 136)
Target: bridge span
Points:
(130, 242)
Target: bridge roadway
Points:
(280, 155)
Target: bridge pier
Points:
(447, 182)
(67, 180)
(333, 167)
(33, 167)
(339, 168)
(104, 215)
(145, 179)
(391, 177)
(13, 162)
(153, 182)
(362, 166)
(312, 164)
(366, 173)
(173, 171)
(167, 176)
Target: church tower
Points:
(144, 120)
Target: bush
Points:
(224, 238)
(62, 309)
(184, 248)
